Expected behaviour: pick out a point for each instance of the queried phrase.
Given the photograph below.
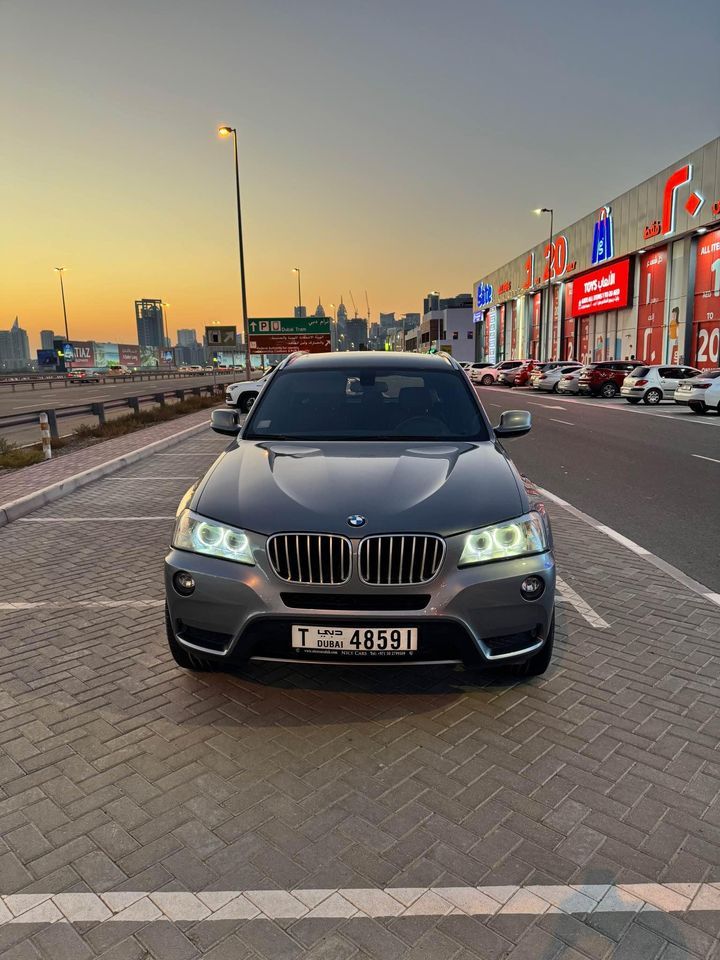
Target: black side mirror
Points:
(225, 421)
(513, 423)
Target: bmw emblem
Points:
(356, 520)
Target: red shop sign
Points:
(607, 288)
(706, 324)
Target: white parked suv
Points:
(702, 393)
(243, 395)
(489, 375)
(654, 383)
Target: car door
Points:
(668, 380)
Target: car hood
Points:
(443, 488)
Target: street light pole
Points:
(60, 270)
(226, 132)
(297, 271)
(541, 332)
(167, 323)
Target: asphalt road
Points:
(43, 397)
(652, 474)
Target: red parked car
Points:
(604, 379)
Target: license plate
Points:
(391, 640)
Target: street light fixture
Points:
(539, 212)
(225, 131)
(297, 271)
(60, 271)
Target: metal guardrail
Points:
(100, 408)
(59, 380)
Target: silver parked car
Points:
(365, 512)
(701, 393)
(549, 378)
(569, 382)
(656, 382)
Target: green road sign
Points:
(217, 336)
(290, 326)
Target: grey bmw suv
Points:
(366, 512)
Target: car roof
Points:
(370, 358)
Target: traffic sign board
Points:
(289, 343)
(289, 326)
(217, 336)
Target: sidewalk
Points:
(31, 487)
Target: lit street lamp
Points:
(60, 271)
(226, 132)
(538, 212)
(297, 271)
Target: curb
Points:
(694, 585)
(61, 488)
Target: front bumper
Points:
(475, 615)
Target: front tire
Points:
(182, 657)
(653, 396)
(609, 390)
(486, 380)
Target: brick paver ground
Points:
(19, 483)
(121, 773)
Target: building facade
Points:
(638, 277)
(14, 348)
(47, 338)
(150, 323)
(447, 324)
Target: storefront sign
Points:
(666, 224)
(535, 331)
(555, 321)
(504, 287)
(602, 248)
(651, 306)
(605, 289)
(484, 295)
(529, 271)
(556, 258)
(706, 318)
(491, 335)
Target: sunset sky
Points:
(396, 146)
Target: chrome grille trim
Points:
(400, 559)
(321, 559)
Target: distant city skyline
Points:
(384, 161)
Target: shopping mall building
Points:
(638, 277)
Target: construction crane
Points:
(353, 303)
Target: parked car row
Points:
(633, 380)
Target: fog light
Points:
(184, 583)
(532, 587)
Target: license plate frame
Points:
(353, 640)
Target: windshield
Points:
(367, 403)
(640, 372)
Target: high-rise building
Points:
(149, 319)
(300, 313)
(356, 334)
(342, 313)
(319, 309)
(46, 339)
(187, 338)
(14, 347)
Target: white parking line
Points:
(361, 903)
(630, 544)
(701, 457)
(154, 479)
(566, 594)
(566, 422)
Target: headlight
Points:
(516, 538)
(198, 535)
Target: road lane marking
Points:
(359, 902)
(566, 422)
(547, 406)
(625, 541)
(688, 582)
(124, 479)
(701, 457)
(87, 519)
(566, 594)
